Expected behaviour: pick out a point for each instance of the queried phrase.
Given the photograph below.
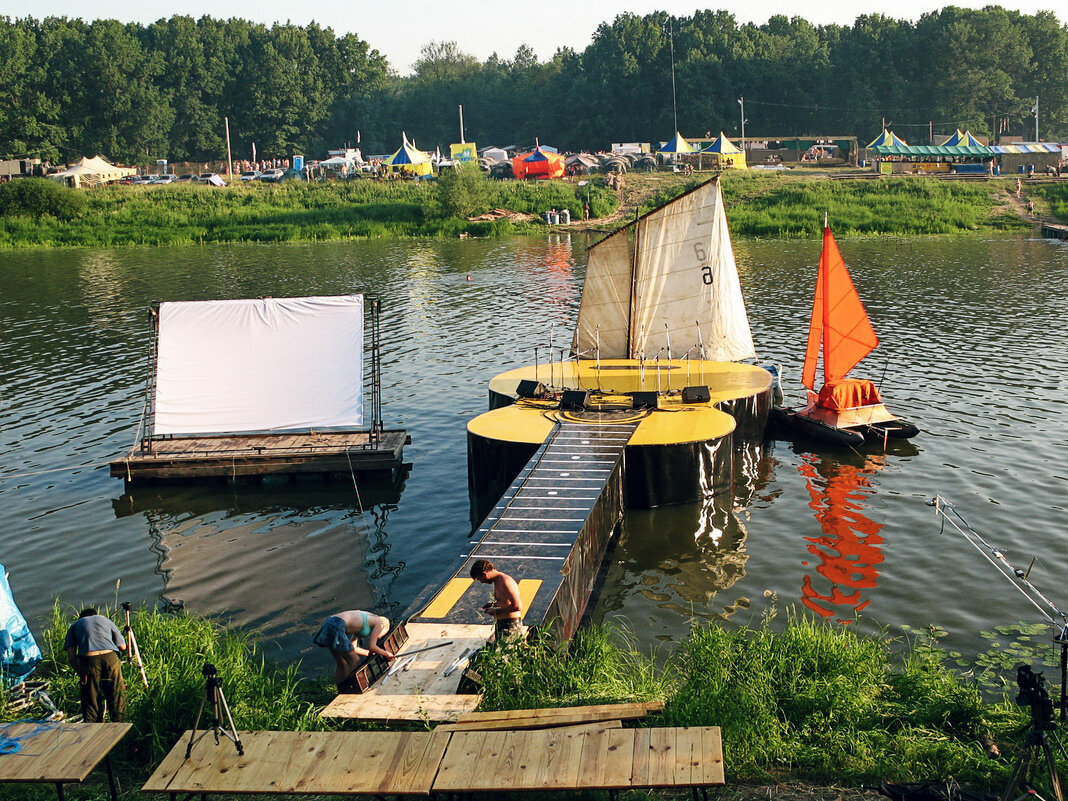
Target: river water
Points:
(972, 351)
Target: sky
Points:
(399, 28)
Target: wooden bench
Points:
(594, 759)
(58, 753)
(372, 763)
(597, 755)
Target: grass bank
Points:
(764, 205)
(801, 702)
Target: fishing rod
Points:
(1020, 579)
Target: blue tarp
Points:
(19, 653)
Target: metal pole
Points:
(1036, 118)
(462, 140)
(741, 102)
(229, 158)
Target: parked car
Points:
(187, 178)
(165, 179)
(249, 175)
(146, 179)
(272, 176)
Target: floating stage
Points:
(1053, 231)
(234, 456)
(687, 415)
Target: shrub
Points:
(38, 197)
(463, 191)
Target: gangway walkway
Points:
(549, 531)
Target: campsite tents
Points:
(726, 153)
(91, 172)
(677, 145)
(538, 163)
(965, 139)
(409, 160)
(886, 138)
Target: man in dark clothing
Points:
(92, 644)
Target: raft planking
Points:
(233, 456)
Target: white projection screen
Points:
(230, 366)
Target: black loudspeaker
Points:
(574, 400)
(530, 389)
(696, 395)
(645, 400)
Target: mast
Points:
(631, 353)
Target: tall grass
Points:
(808, 701)
(174, 648)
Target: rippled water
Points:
(972, 351)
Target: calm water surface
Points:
(972, 350)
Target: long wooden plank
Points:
(618, 759)
(639, 766)
(597, 725)
(628, 711)
(711, 756)
(661, 772)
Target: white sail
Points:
(604, 311)
(684, 292)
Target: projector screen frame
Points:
(372, 383)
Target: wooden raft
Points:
(240, 455)
(59, 752)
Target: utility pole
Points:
(462, 140)
(1035, 109)
(741, 102)
(930, 131)
(229, 158)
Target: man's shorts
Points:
(333, 635)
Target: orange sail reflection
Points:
(849, 550)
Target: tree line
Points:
(137, 93)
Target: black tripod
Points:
(213, 692)
(133, 653)
(1040, 731)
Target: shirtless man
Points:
(341, 634)
(506, 608)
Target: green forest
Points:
(137, 93)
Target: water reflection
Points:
(238, 552)
(849, 551)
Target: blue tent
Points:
(677, 145)
(963, 139)
(888, 139)
(19, 653)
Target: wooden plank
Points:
(711, 757)
(458, 769)
(595, 756)
(618, 759)
(528, 588)
(639, 766)
(628, 711)
(661, 757)
(416, 765)
(596, 725)
(687, 757)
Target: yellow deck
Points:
(674, 422)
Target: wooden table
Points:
(59, 753)
(605, 759)
(378, 763)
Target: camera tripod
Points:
(133, 653)
(1027, 761)
(213, 692)
(1039, 731)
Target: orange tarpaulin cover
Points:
(848, 393)
(538, 163)
(838, 321)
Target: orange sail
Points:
(838, 321)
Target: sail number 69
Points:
(706, 271)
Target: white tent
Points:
(92, 172)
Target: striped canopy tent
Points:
(677, 145)
(912, 151)
(1029, 147)
(409, 159)
(965, 139)
(726, 153)
(888, 138)
(538, 163)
